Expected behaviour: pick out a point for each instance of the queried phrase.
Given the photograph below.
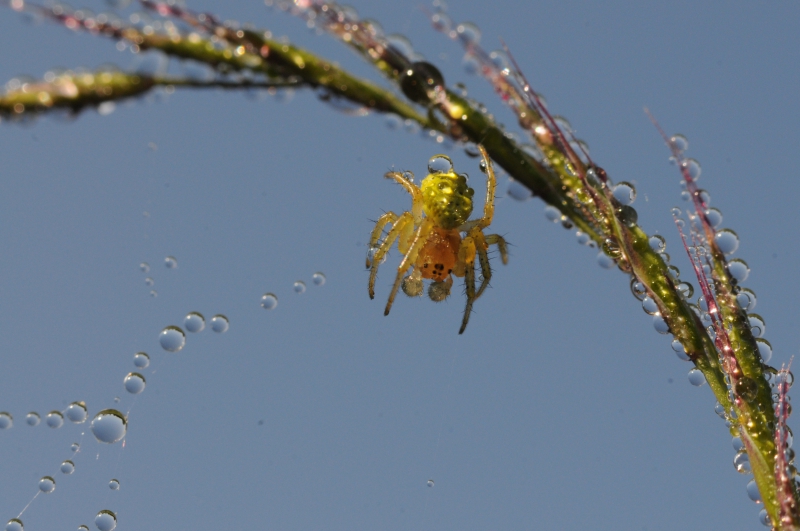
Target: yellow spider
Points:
(430, 236)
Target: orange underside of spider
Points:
(429, 236)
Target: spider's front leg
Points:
(400, 224)
(466, 260)
(416, 244)
(482, 244)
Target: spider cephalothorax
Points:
(430, 236)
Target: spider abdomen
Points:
(447, 199)
(438, 257)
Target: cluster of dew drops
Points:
(728, 242)
(109, 426)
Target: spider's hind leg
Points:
(377, 252)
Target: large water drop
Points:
(172, 339)
(696, 377)
(269, 301)
(134, 383)
(752, 491)
(299, 287)
(105, 520)
(440, 164)
(54, 419)
(518, 191)
(170, 262)
(625, 193)
(113, 484)
(109, 426)
(76, 412)
(318, 278)
(32, 418)
(141, 360)
(727, 241)
(194, 322)
(6, 420)
(757, 325)
(47, 484)
(67, 467)
(738, 269)
(15, 524)
(219, 323)
(764, 349)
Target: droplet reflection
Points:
(47, 484)
(194, 322)
(109, 426)
(105, 520)
(269, 301)
(172, 339)
(134, 383)
(219, 323)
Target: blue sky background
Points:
(559, 408)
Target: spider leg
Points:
(375, 237)
(417, 243)
(411, 188)
(399, 224)
(466, 256)
(502, 246)
(491, 186)
(483, 258)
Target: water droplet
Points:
(679, 350)
(763, 517)
(170, 262)
(109, 426)
(518, 191)
(727, 241)
(32, 418)
(737, 444)
(15, 524)
(696, 377)
(679, 142)
(318, 278)
(141, 360)
(627, 215)
(6, 420)
(738, 269)
(657, 243)
(430, 483)
(67, 467)
(686, 289)
(746, 299)
(113, 484)
(144, 267)
(74, 447)
(172, 339)
(719, 409)
(105, 520)
(441, 22)
(54, 419)
(638, 289)
(76, 412)
(625, 193)
(269, 301)
(764, 349)
(742, 463)
(660, 325)
(420, 82)
(752, 491)
(693, 167)
(468, 33)
(583, 238)
(47, 484)
(83, 528)
(134, 383)
(604, 261)
(757, 325)
(685, 196)
(393, 121)
(149, 281)
(714, 217)
(299, 287)
(649, 306)
(194, 322)
(440, 164)
(552, 214)
(220, 324)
